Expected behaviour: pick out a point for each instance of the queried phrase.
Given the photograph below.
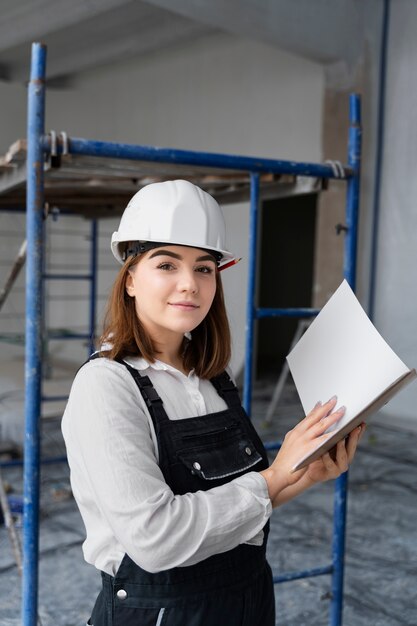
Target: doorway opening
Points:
(286, 272)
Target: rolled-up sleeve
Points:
(114, 471)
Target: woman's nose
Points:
(188, 281)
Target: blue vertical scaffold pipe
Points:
(353, 187)
(93, 285)
(352, 208)
(250, 309)
(34, 228)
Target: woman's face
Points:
(173, 287)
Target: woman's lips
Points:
(184, 306)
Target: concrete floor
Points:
(381, 550)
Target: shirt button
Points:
(197, 465)
(121, 594)
(248, 451)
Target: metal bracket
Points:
(341, 228)
(55, 155)
(55, 212)
(337, 168)
(65, 142)
(55, 158)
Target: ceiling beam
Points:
(322, 30)
(138, 28)
(33, 21)
(169, 30)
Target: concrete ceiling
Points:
(81, 34)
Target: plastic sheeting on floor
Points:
(381, 547)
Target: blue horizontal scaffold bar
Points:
(308, 573)
(115, 150)
(67, 276)
(287, 312)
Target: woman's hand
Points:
(331, 465)
(337, 460)
(302, 440)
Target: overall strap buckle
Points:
(148, 391)
(149, 394)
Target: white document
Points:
(342, 354)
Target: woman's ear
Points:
(129, 286)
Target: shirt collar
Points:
(142, 364)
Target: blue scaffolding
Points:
(39, 146)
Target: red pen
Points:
(226, 265)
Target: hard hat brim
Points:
(118, 252)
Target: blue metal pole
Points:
(352, 206)
(252, 164)
(250, 306)
(93, 285)
(34, 200)
(353, 187)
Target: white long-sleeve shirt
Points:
(124, 501)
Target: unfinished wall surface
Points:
(219, 93)
(360, 76)
(392, 277)
(396, 276)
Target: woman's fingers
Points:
(362, 431)
(335, 462)
(320, 427)
(328, 462)
(318, 413)
(342, 458)
(346, 448)
(322, 408)
(353, 441)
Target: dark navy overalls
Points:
(230, 589)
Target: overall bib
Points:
(234, 588)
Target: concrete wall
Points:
(396, 277)
(223, 93)
(219, 93)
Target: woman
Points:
(171, 479)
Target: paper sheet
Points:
(342, 354)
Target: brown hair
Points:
(208, 353)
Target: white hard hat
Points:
(174, 212)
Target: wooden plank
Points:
(85, 184)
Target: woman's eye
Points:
(205, 269)
(165, 266)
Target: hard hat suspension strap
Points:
(133, 248)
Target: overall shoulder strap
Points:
(226, 389)
(149, 394)
(92, 357)
(148, 391)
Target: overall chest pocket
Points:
(221, 456)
